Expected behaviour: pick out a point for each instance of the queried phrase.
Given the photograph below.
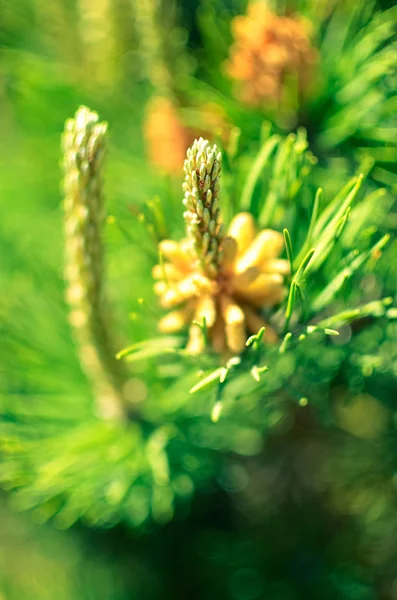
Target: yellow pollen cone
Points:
(192, 286)
(167, 270)
(276, 265)
(266, 290)
(160, 287)
(171, 298)
(242, 229)
(174, 321)
(267, 244)
(178, 293)
(195, 343)
(206, 309)
(243, 280)
(234, 324)
(173, 251)
(263, 283)
(235, 337)
(231, 312)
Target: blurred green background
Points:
(315, 515)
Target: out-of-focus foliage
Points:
(291, 493)
(348, 108)
(60, 457)
(37, 563)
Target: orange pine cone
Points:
(267, 48)
(166, 137)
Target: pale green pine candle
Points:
(202, 173)
(84, 147)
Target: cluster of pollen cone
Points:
(216, 281)
(267, 48)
